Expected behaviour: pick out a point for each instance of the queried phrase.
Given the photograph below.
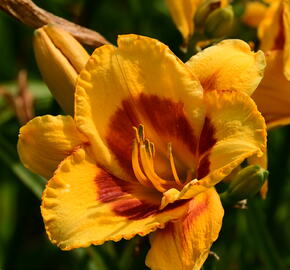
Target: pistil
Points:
(172, 164)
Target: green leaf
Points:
(32, 181)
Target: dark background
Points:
(257, 238)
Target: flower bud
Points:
(203, 11)
(246, 183)
(219, 23)
(60, 58)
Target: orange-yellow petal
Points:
(186, 243)
(83, 204)
(274, 32)
(286, 37)
(235, 131)
(270, 31)
(254, 13)
(229, 65)
(182, 12)
(45, 141)
(273, 94)
(136, 83)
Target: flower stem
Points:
(259, 231)
(96, 259)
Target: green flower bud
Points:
(246, 183)
(204, 10)
(219, 23)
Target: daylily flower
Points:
(183, 13)
(273, 94)
(150, 138)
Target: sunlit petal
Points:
(235, 131)
(185, 244)
(83, 204)
(229, 65)
(273, 94)
(45, 141)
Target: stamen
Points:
(141, 177)
(147, 164)
(144, 151)
(137, 134)
(172, 164)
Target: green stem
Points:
(278, 167)
(33, 182)
(191, 48)
(96, 258)
(109, 249)
(125, 260)
(262, 236)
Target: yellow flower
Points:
(273, 94)
(150, 138)
(183, 13)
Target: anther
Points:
(152, 147)
(141, 132)
(148, 148)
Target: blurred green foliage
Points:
(257, 238)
